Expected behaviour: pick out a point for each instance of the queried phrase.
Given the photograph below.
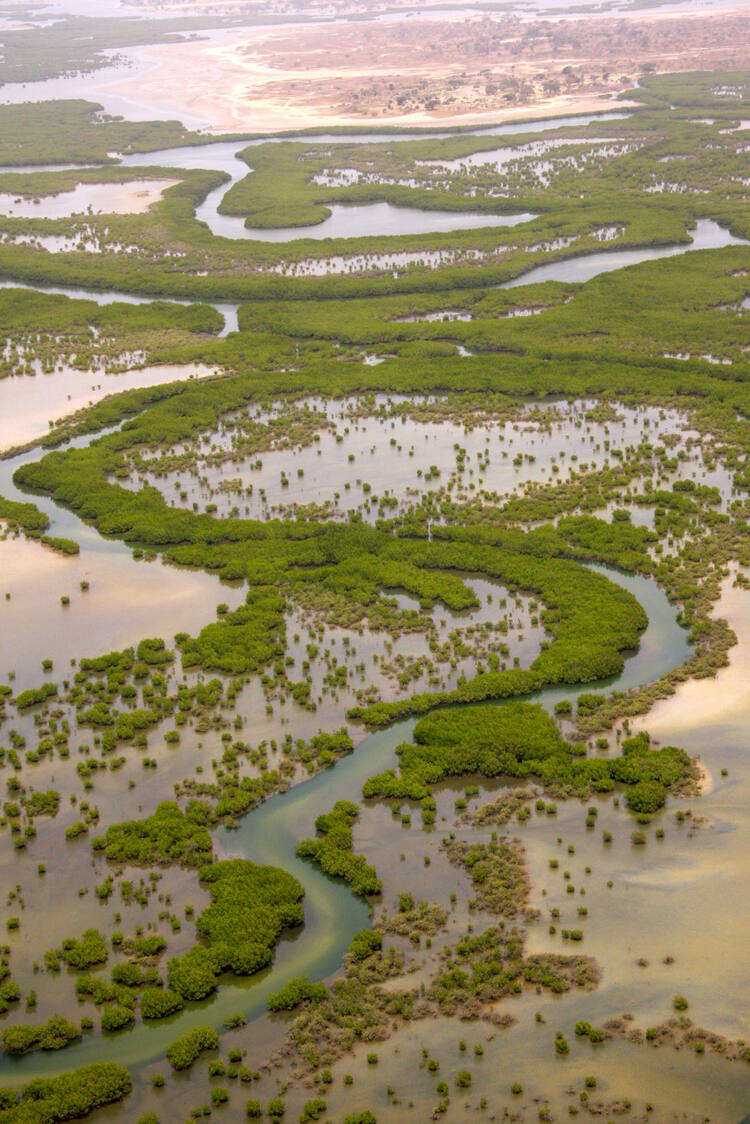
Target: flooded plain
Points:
(662, 917)
(670, 899)
(131, 198)
(338, 464)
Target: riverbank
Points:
(395, 72)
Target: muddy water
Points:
(126, 599)
(372, 219)
(668, 898)
(345, 221)
(87, 198)
(269, 834)
(393, 455)
(332, 914)
(28, 403)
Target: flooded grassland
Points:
(394, 641)
(456, 456)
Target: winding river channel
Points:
(270, 833)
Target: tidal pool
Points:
(377, 456)
(372, 220)
(87, 199)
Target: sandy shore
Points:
(706, 702)
(425, 71)
(706, 782)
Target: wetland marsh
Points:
(373, 622)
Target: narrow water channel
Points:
(270, 835)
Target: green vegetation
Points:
(62, 546)
(88, 952)
(55, 1034)
(365, 943)
(298, 990)
(620, 338)
(498, 873)
(250, 907)
(521, 740)
(332, 849)
(167, 837)
(35, 696)
(67, 1097)
(24, 515)
(492, 965)
(186, 1049)
(159, 1002)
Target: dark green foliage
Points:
(117, 1017)
(27, 516)
(189, 1046)
(168, 837)
(87, 952)
(521, 740)
(243, 640)
(55, 1034)
(250, 907)
(159, 1002)
(67, 1097)
(192, 975)
(297, 990)
(646, 797)
(364, 943)
(332, 849)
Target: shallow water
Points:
(271, 832)
(87, 198)
(29, 403)
(391, 456)
(370, 220)
(669, 897)
(108, 296)
(708, 235)
(332, 914)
